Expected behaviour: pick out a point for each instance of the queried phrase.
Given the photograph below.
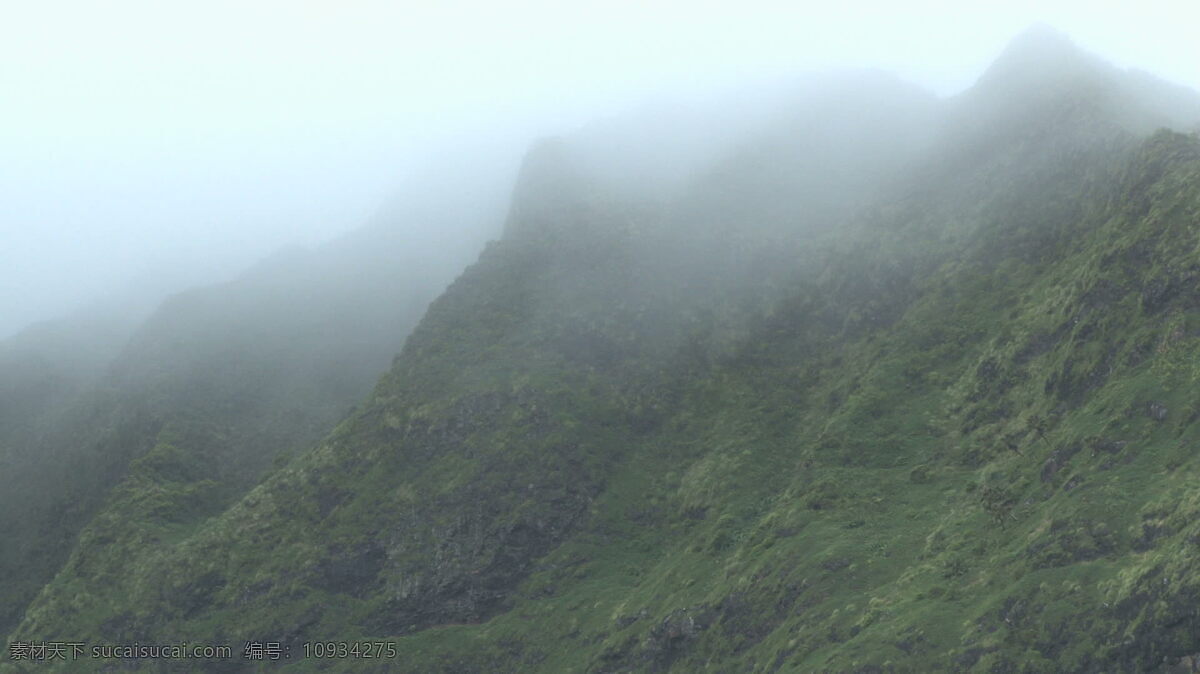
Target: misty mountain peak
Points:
(550, 185)
(1042, 56)
(1041, 38)
(1045, 84)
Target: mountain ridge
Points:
(944, 427)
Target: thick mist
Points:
(351, 316)
(148, 149)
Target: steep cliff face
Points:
(948, 429)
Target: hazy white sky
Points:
(170, 138)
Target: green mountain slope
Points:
(950, 429)
(166, 422)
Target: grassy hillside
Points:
(170, 418)
(982, 465)
(950, 429)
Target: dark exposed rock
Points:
(1070, 542)
(329, 497)
(1157, 411)
(835, 563)
(1074, 381)
(1058, 460)
(1037, 345)
(353, 571)
(200, 592)
(1151, 532)
(1099, 445)
(1187, 664)
(481, 557)
(970, 656)
(1105, 293)
(1157, 293)
(1139, 352)
(627, 620)
(669, 638)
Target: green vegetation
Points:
(104, 422)
(955, 433)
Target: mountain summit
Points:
(1043, 56)
(1042, 75)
